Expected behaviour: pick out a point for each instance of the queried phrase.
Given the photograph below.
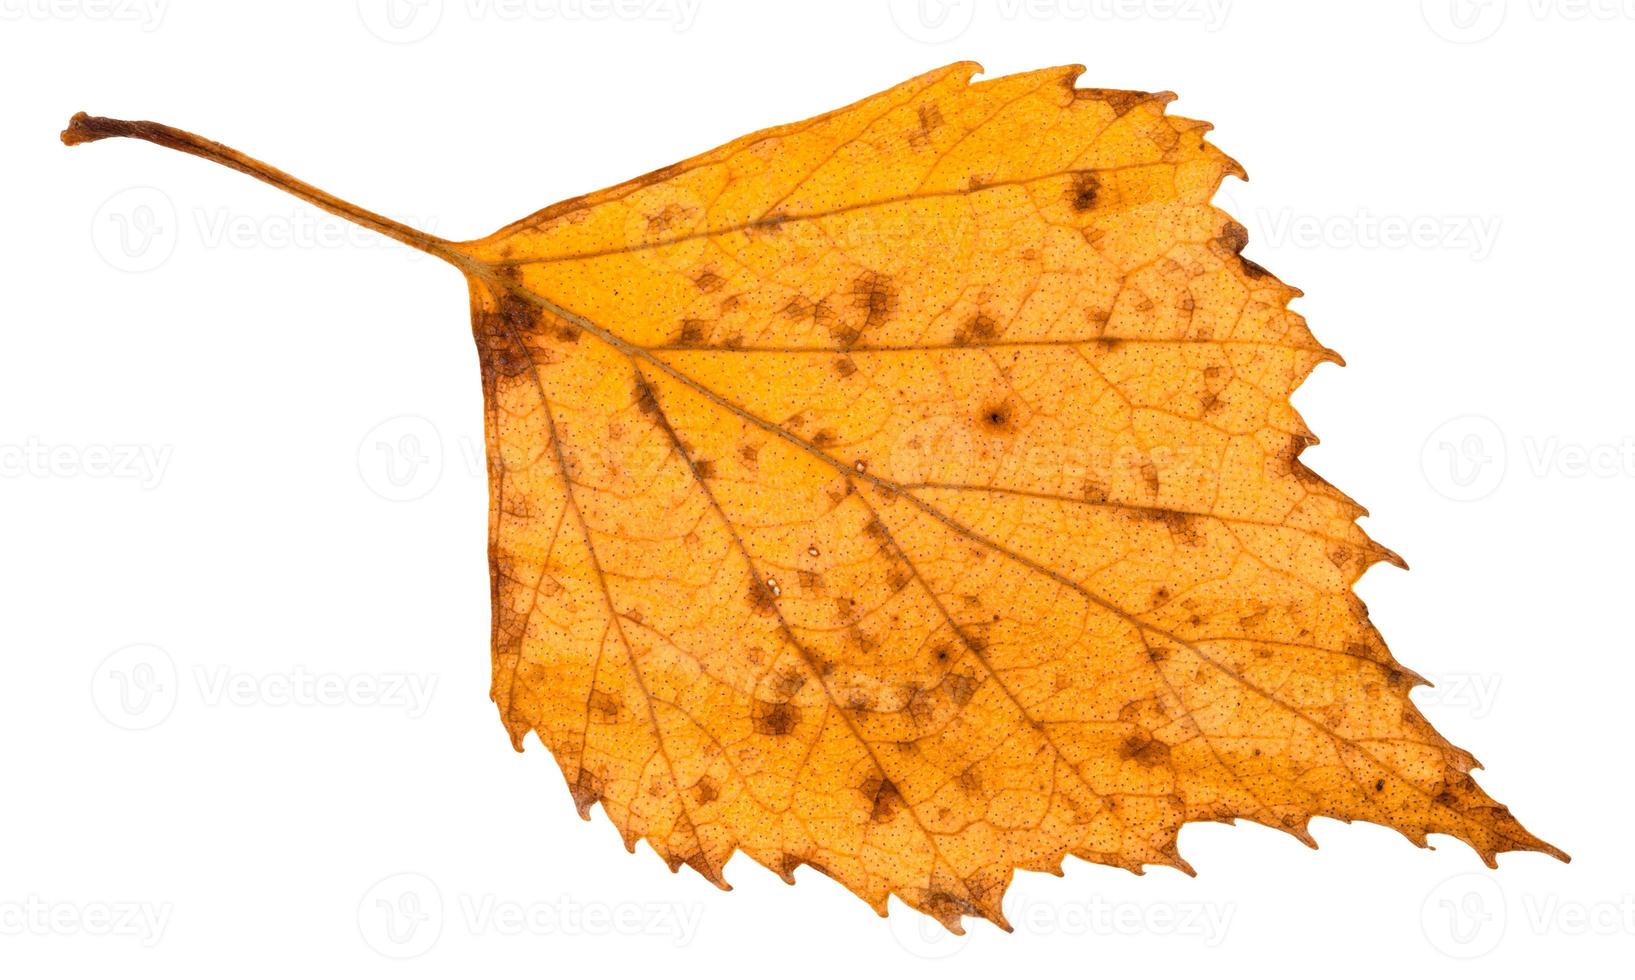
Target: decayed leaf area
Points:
(913, 493)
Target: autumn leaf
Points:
(913, 493)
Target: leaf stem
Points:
(83, 128)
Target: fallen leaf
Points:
(913, 493)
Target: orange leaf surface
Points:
(913, 493)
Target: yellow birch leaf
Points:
(913, 493)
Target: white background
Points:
(241, 454)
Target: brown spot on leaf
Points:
(1145, 749)
(875, 295)
(961, 688)
(1234, 237)
(605, 705)
(1083, 190)
(881, 795)
(693, 332)
(761, 598)
(775, 717)
(998, 418)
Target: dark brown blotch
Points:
(961, 688)
(1083, 190)
(998, 418)
(761, 598)
(646, 401)
(1145, 749)
(1234, 237)
(605, 705)
(693, 332)
(876, 296)
(775, 717)
(882, 797)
